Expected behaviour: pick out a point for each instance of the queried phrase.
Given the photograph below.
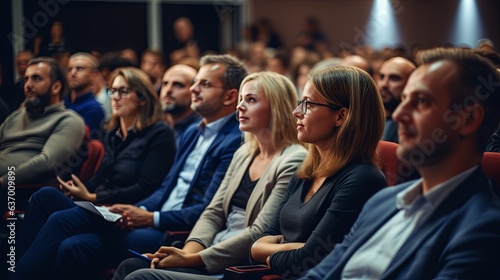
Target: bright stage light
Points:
(382, 29)
(468, 27)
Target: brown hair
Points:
(357, 137)
(151, 112)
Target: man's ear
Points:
(56, 88)
(341, 117)
(471, 119)
(230, 97)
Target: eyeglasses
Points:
(123, 92)
(78, 68)
(303, 104)
(206, 84)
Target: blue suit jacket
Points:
(460, 240)
(206, 180)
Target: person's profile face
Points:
(254, 113)
(425, 121)
(207, 91)
(124, 100)
(317, 126)
(80, 73)
(175, 95)
(38, 86)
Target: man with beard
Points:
(41, 139)
(175, 98)
(391, 81)
(82, 73)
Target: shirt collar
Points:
(187, 121)
(410, 196)
(208, 130)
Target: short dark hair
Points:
(235, 72)
(56, 73)
(476, 81)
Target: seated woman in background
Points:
(139, 152)
(251, 191)
(139, 147)
(342, 117)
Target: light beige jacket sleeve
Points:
(261, 206)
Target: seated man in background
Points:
(39, 140)
(391, 81)
(82, 74)
(175, 98)
(445, 225)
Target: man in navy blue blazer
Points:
(447, 224)
(73, 243)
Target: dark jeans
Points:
(59, 240)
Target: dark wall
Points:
(6, 59)
(101, 26)
(419, 21)
(205, 21)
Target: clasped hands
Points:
(173, 257)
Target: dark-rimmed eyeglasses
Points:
(122, 92)
(303, 104)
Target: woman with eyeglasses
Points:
(139, 146)
(342, 117)
(139, 150)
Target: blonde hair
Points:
(282, 97)
(357, 137)
(139, 81)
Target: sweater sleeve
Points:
(65, 140)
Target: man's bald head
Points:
(357, 61)
(175, 95)
(391, 80)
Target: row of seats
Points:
(396, 172)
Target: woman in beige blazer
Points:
(250, 192)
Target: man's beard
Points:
(391, 105)
(78, 87)
(174, 109)
(37, 102)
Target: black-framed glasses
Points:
(78, 68)
(207, 84)
(303, 104)
(122, 92)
